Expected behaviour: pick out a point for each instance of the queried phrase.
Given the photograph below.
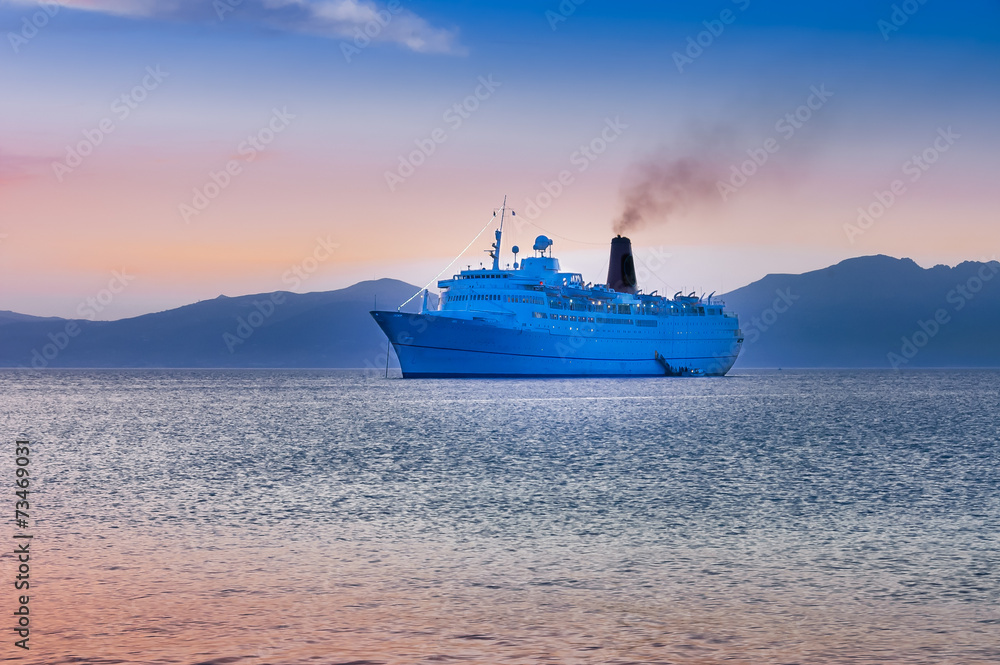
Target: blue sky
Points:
(559, 82)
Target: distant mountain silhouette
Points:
(873, 311)
(858, 312)
(281, 329)
(7, 316)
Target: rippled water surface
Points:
(334, 517)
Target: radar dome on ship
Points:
(542, 243)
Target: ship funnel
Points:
(621, 269)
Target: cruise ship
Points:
(536, 320)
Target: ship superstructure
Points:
(537, 320)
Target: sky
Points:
(153, 154)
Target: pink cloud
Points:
(14, 168)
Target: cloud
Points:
(335, 19)
(116, 7)
(15, 168)
(405, 27)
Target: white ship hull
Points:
(432, 345)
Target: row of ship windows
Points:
(577, 306)
(646, 323)
(641, 309)
(529, 300)
(484, 296)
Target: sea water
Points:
(341, 517)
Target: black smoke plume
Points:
(663, 186)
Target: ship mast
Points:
(499, 234)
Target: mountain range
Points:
(280, 329)
(873, 311)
